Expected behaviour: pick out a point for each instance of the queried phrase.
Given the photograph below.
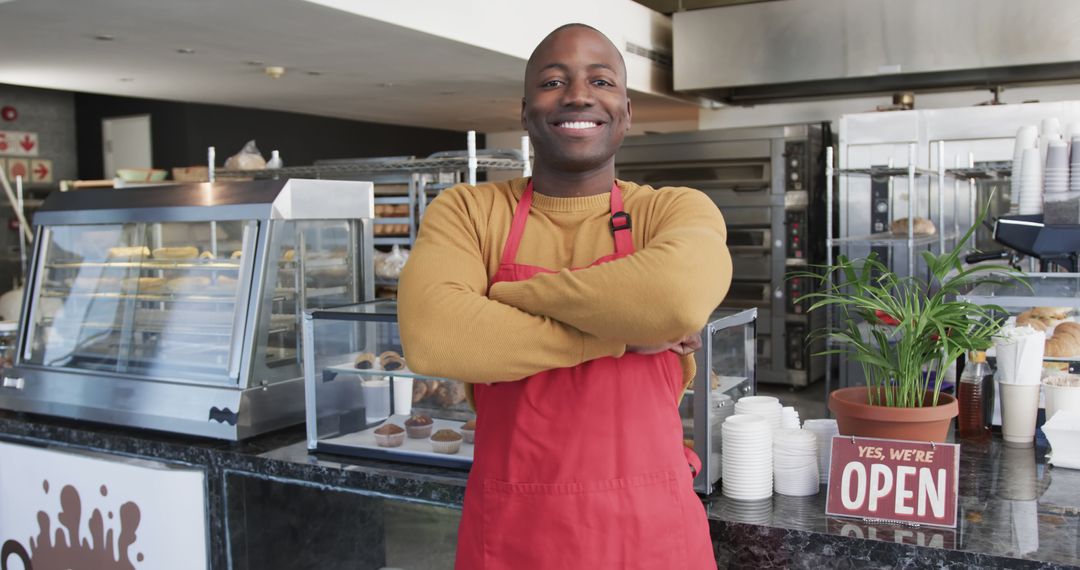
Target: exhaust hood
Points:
(798, 49)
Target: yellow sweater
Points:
(453, 325)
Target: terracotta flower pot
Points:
(856, 417)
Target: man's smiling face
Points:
(575, 106)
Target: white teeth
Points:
(579, 125)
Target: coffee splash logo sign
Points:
(73, 511)
(66, 549)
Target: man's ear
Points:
(629, 114)
(523, 113)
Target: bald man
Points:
(570, 304)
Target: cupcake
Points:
(446, 441)
(389, 435)
(418, 426)
(468, 431)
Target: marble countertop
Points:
(1013, 507)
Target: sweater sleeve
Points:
(451, 329)
(661, 293)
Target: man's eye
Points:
(551, 83)
(603, 83)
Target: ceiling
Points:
(670, 6)
(214, 51)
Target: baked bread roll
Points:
(206, 255)
(1042, 318)
(237, 254)
(289, 255)
(224, 284)
(128, 252)
(450, 393)
(922, 227)
(1059, 313)
(184, 252)
(188, 284)
(365, 361)
(391, 361)
(1065, 342)
(421, 389)
(144, 284)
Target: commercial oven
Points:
(769, 184)
(178, 308)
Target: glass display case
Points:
(178, 307)
(726, 369)
(363, 400)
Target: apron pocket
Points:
(630, 523)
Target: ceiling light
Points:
(254, 63)
(185, 51)
(104, 38)
(386, 84)
(275, 71)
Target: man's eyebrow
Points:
(564, 67)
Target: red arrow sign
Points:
(27, 143)
(42, 171)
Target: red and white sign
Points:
(18, 143)
(18, 167)
(40, 171)
(892, 480)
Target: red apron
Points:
(582, 467)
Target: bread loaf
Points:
(128, 252)
(922, 227)
(184, 252)
(1065, 342)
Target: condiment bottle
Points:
(971, 424)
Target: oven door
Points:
(728, 182)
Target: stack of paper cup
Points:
(1074, 166)
(1019, 368)
(1059, 205)
(795, 463)
(823, 430)
(1027, 137)
(789, 418)
(1030, 201)
(767, 407)
(747, 465)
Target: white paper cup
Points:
(402, 395)
(376, 394)
(1019, 408)
(1061, 398)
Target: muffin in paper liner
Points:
(446, 441)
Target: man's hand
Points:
(683, 346)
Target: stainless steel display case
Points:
(178, 307)
(357, 379)
(727, 366)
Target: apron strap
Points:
(620, 225)
(517, 226)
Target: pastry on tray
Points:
(421, 389)
(446, 441)
(136, 252)
(449, 393)
(391, 361)
(1042, 318)
(921, 227)
(418, 426)
(206, 255)
(188, 284)
(365, 361)
(1065, 342)
(184, 252)
(389, 435)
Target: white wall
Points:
(832, 109)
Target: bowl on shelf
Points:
(141, 174)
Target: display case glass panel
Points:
(358, 380)
(727, 369)
(154, 299)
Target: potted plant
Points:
(904, 332)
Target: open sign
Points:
(890, 480)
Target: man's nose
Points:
(577, 94)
